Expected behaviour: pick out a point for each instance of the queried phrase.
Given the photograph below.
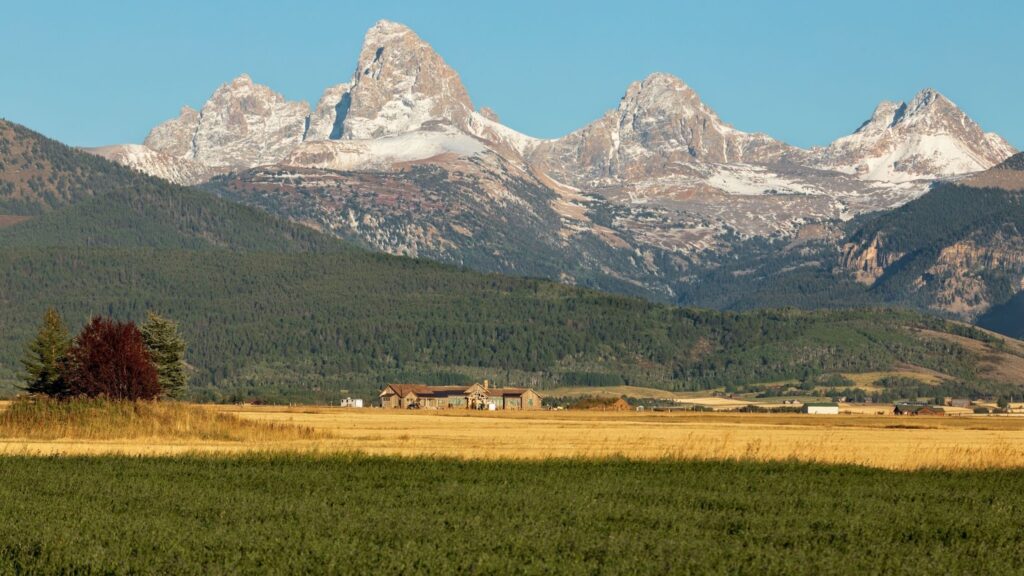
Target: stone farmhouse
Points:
(472, 397)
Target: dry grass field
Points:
(903, 443)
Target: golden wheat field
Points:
(879, 441)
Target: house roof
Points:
(403, 390)
(821, 405)
(424, 391)
(506, 392)
(442, 391)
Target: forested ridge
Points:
(276, 311)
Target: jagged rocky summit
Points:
(398, 157)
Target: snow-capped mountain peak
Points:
(400, 84)
(243, 124)
(929, 136)
(661, 91)
(661, 126)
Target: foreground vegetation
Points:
(95, 419)
(864, 439)
(375, 515)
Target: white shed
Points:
(821, 408)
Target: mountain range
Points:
(276, 311)
(657, 198)
(645, 200)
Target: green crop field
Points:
(292, 515)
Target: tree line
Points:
(108, 359)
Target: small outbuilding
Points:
(821, 408)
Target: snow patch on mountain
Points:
(928, 138)
(384, 153)
(149, 161)
(243, 124)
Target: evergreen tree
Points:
(167, 349)
(44, 357)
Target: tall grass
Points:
(96, 419)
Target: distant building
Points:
(351, 403)
(472, 397)
(602, 404)
(821, 408)
(918, 410)
(959, 403)
(619, 405)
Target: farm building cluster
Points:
(472, 397)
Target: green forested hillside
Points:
(275, 311)
(355, 320)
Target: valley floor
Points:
(881, 441)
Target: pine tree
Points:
(44, 357)
(167, 349)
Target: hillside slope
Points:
(957, 251)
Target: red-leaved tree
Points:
(110, 359)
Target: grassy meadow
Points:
(156, 429)
(91, 487)
(89, 419)
(290, 514)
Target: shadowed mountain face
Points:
(957, 251)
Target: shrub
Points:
(110, 359)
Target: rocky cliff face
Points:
(401, 84)
(243, 124)
(176, 136)
(868, 262)
(325, 121)
(958, 279)
(957, 250)
(963, 278)
(246, 124)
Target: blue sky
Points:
(104, 72)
